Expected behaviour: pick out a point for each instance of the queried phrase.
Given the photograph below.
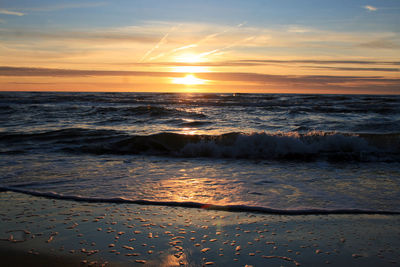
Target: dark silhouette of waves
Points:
(270, 146)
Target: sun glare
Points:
(190, 69)
(189, 79)
(189, 58)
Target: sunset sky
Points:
(255, 46)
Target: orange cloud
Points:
(233, 81)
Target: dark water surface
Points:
(279, 151)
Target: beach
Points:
(121, 179)
(38, 231)
(199, 133)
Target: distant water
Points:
(279, 151)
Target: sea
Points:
(285, 153)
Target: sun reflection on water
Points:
(171, 260)
(201, 190)
(189, 131)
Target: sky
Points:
(221, 46)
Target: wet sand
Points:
(38, 231)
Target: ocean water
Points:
(269, 151)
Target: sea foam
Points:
(316, 145)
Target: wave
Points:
(68, 134)
(231, 208)
(382, 109)
(147, 110)
(194, 124)
(269, 146)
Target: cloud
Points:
(295, 79)
(326, 83)
(103, 36)
(48, 72)
(357, 69)
(64, 6)
(370, 8)
(380, 44)
(307, 61)
(218, 76)
(9, 12)
(198, 37)
(153, 44)
(263, 62)
(298, 29)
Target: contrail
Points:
(219, 33)
(184, 47)
(172, 51)
(210, 36)
(157, 45)
(226, 47)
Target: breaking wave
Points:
(270, 146)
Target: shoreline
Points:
(41, 231)
(197, 205)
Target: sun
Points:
(188, 59)
(189, 79)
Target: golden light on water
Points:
(189, 131)
(196, 189)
